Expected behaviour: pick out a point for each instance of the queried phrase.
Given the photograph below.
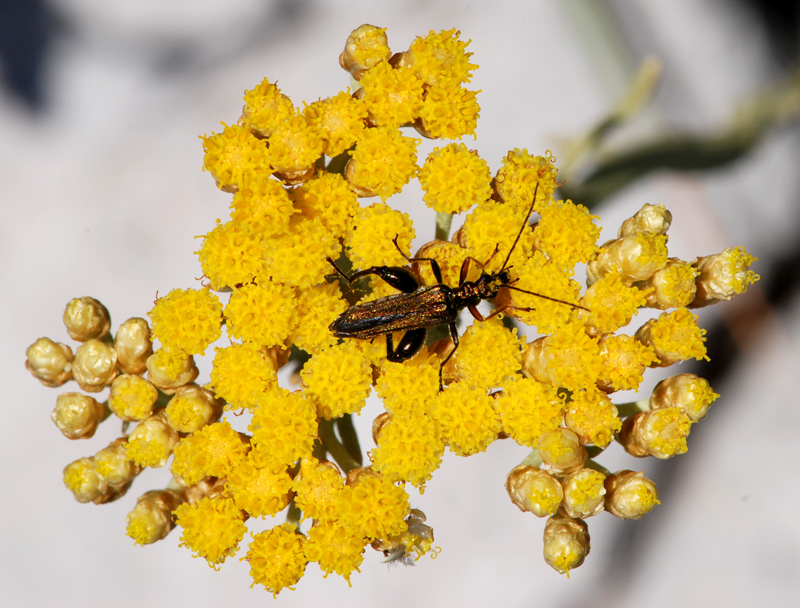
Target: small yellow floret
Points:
(373, 505)
(441, 58)
(454, 179)
(212, 528)
(521, 173)
(449, 112)
(318, 306)
(468, 420)
(317, 486)
(488, 354)
(410, 448)
(187, 320)
(490, 230)
(675, 336)
(339, 119)
(624, 361)
(327, 196)
(132, 397)
(152, 441)
(294, 145)
(259, 491)
(611, 303)
(567, 358)
(370, 242)
(262, 206)
(335, 548)
(383, 161)
(592, 416)
(277, 558)
(409, 388)
(265, 108)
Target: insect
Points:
(419, 307)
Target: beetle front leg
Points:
(437, 272)
(409, 345)
(400, 278)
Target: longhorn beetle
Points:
(420, 306)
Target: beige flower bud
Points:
(650, 219)
(77, 415)
(133, 345)
(366, 46)
(661, 433)
(113, 465)
(689, 392)
(87, 485)
(566, 543)
(152, 441)
(169, 372)
(630, 495)
(635, 257)
(670, 287)
(193, 407)
(95, 365)
(723, 276)
(132, 397)
(584, 493)
(50, 362)
(561, 451)
(151, 519)
(534, 490)
(86, 318)
(350, 175)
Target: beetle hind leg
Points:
(409, 345)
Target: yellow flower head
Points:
(339, 119)
(454, 179)
(611, 303)
(335, 548)
(259, 491)
(187, 320)
(241, 373)
(440, 58)
(265, 108)
(567, 358)
(328, 197)
(489, 232)
(449, 112)
(262, 313)
(373, 505)
(488, 354)
(409, 387)
(262, 206)
(467, 418)
(231, 254)
(298, 257)
(339, 378)
(675, 336)
(294, 145)
(519, 176)
(213, 451)
(317, 307)
(409, 448)
(528, 409)
(318, 485)
(383, 161)
(366, 46)
(392, 96)
(370, 242)
(212, 528)
(566, 233)
(277, 558)
(284, 428)
(234, 153)
(624, 361)
(592, 416)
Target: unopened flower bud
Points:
(366, 46)
(113, 465)
(193, 407)
(534, 490)
(95, 365)
(86, 318)
(630, 495)
(168, 371)
(77, 415)
(87, 485)
(566, 543)
(634, 258)
(661, 433)
(132, 397)
(723, 276)
(670, 287)
(689, 392)
(50, 362)
(151, 519)
(674, 336)
(561, 451)
(584, 493)
(133, 345)
(152, 441)
(650, 219)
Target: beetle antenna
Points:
(521, 230)
(533, 293)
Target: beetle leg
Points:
(454, 337)
(409, 345)
(437, 272)
(399, 278)
(477, 314)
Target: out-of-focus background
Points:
(102, 194)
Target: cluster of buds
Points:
(296, 177)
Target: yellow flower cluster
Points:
(278, 283)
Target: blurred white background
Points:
(101, 105)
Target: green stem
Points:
(443, 223)
(334, 447)
(349, 437)
(634, 407)
(591, 464)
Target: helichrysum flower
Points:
(277, 273)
